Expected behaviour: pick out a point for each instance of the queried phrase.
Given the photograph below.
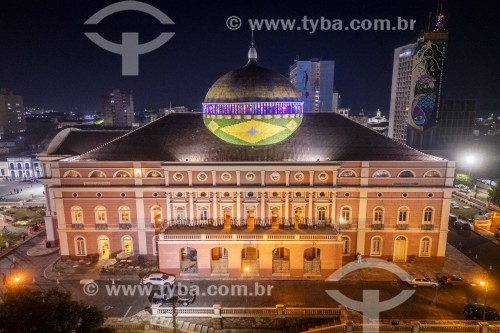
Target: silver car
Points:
(422, 282)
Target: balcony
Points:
(345, 226)
(125, 226)
(101, 226)
(77, 226)
(402, 226)
(427, 226)
(377, 226)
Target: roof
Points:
(72, 141)
(183, 137)
(252, 83)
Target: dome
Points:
(252, 83)
(252, 105)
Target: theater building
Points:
(250, 187)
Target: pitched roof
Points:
(183, 137)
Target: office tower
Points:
(11, 113)
(118, 109)
(314, 79)
(456, 121)
(416, 88)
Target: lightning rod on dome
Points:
(252, 53)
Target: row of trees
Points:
(493, 190)
(25, 310)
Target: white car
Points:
(158, 279)
(422, 282)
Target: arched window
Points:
(345, 214)
(122, 174)
(156, 215)
(80, 246)
(432, 174)
(180, 213)
(376, 246)
(76, 215)
(378, 215)
(381, 174)
(428, 215)
(127, 244)
(406, 174)
(346, 245)
(124, 214)
(403, 215)
(11, 166)
(321, 214)
(154, 174)
(72, 174)
(26, 165)
(347, 173)
(203, 213)
(97, 174)
(100, 215)
(425, 247)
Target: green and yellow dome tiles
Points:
(252, 106)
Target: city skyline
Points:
(60, 68)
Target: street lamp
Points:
(246, 269)
(485, 284)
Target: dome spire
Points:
(252, 53)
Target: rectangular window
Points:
(375, 248)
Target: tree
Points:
(494, 193)
(462, 178)
(26, 310)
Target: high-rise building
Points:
(11, 113)
(456, 121)
(314, 79)
(118, 109)
(416, 88)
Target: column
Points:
(363, 201)
(287, 206)
(214, 174)
(262, 205)
(191, 207)
(214, 205)
(168, 214)
(310, 208)
(141, 222)
(238, 205)
(333, 211)
(190, 177)
(365, 173)
(311, 178)
(238, 174)
(287, 177)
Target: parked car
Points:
(157, 279)
(452, 280)
(477, 310)
(167, 296)
(422, 282)
(461, 225)
(455, 206)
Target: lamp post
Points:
(247, 269)
(485, 284)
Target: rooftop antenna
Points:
(252, 53)
(252, 45)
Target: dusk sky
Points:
(45, 56)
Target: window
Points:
(403, 215)
(406, 174)
(299, 176)
(347, 173)
(376, 246)
(72, 174)
(345, 216)
(180, 213)
(428, 214)
(226, 176)
(76, 215)
(323, 176)
(178, 176)
(100, 214)
(124, 215)
(80, 246)
(378, 215)
(202, 176)
(346, 245)
(275, 176)
(97, 174)
(203, 213)
(156, 215)
(122, 174)
(127, 244)
(425, 247)
(432, 174)
(321, 214)
(381, 174)
(154, 174)
(250, 176)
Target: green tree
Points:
(26, 310)
(494, 193)
(465, 179)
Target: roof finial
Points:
(252, 53)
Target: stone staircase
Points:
(166, 324)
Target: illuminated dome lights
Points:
(252, 106)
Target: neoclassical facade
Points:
(235, 193)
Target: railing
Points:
(377, 226)
(101, 226)
(402, 226)
(77, 226)
(412, 327)
(427, 226)
(125, 226)
(239, 237)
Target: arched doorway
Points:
(299, 213)
(103, 244)
(250, 261)
(219, 260)
(400, 245)
(189, 260)
(281, 260)
(312, 261)
(275, 217)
